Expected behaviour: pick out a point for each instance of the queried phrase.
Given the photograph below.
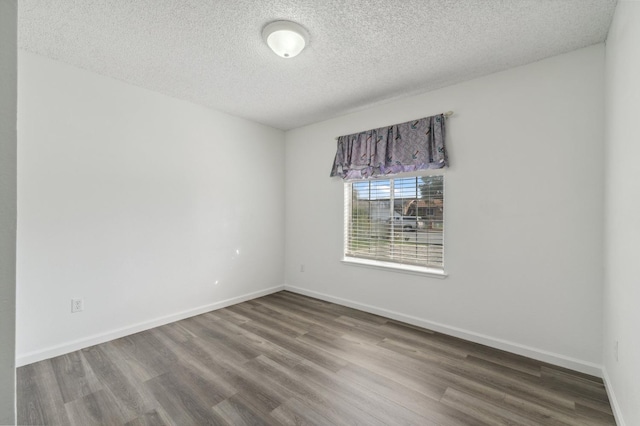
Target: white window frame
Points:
(350, 259)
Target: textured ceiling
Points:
(360, 53)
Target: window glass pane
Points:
(396, 220)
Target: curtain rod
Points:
(446, 115)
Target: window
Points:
(396, 222)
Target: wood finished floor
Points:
(290, 359)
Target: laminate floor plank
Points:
(482, 411)
(152, 418)
(177, 331)
(512, 386)
(332, 308)
(576, 375)
(521, 386)
(428, 407)
(98, 408)
(130, 398)
(234, 337)
(151, 355)
(574, 385)
(307, 317)
(74, 376)
(262, 345)
(395, 327)
(393, 367)
(310, 312)
(272, 322)
(43, 396)
(599, 415)
(184, 407)
(227, 315)
(199, 363)
(234, 376)
(444, 379)
(296, 413)
(299, 325)
(211, 353)
(240, 411)
(291, 317)
(545, 415)
(334, 407)
(218, 341)
(129, 365)
(516, 362)
(426, 346)
(385, 410)
(317, 355)
(39, 399)
(293, 360)
(418, 351)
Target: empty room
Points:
(374, 212)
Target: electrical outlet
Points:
(76, 305)
(615, 350)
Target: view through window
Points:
(397, 220)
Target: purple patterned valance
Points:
(406, 147)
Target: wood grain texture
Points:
(293, 360)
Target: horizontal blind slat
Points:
(399, 220)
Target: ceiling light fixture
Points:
(285, 38)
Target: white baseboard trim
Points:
(85, 342)
(505, 345)
(617, 413)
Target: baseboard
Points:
(505, 345)
(96, 339)
(617, 413)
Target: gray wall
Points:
(523, 219)
(8, 92)
(124, 191)
(621, 348)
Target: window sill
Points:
(396, 267)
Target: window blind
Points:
(397, 220)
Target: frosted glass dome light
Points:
(285, 38)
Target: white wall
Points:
(622, 213)
(8, 99)
(524, 212)
(147, 207)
